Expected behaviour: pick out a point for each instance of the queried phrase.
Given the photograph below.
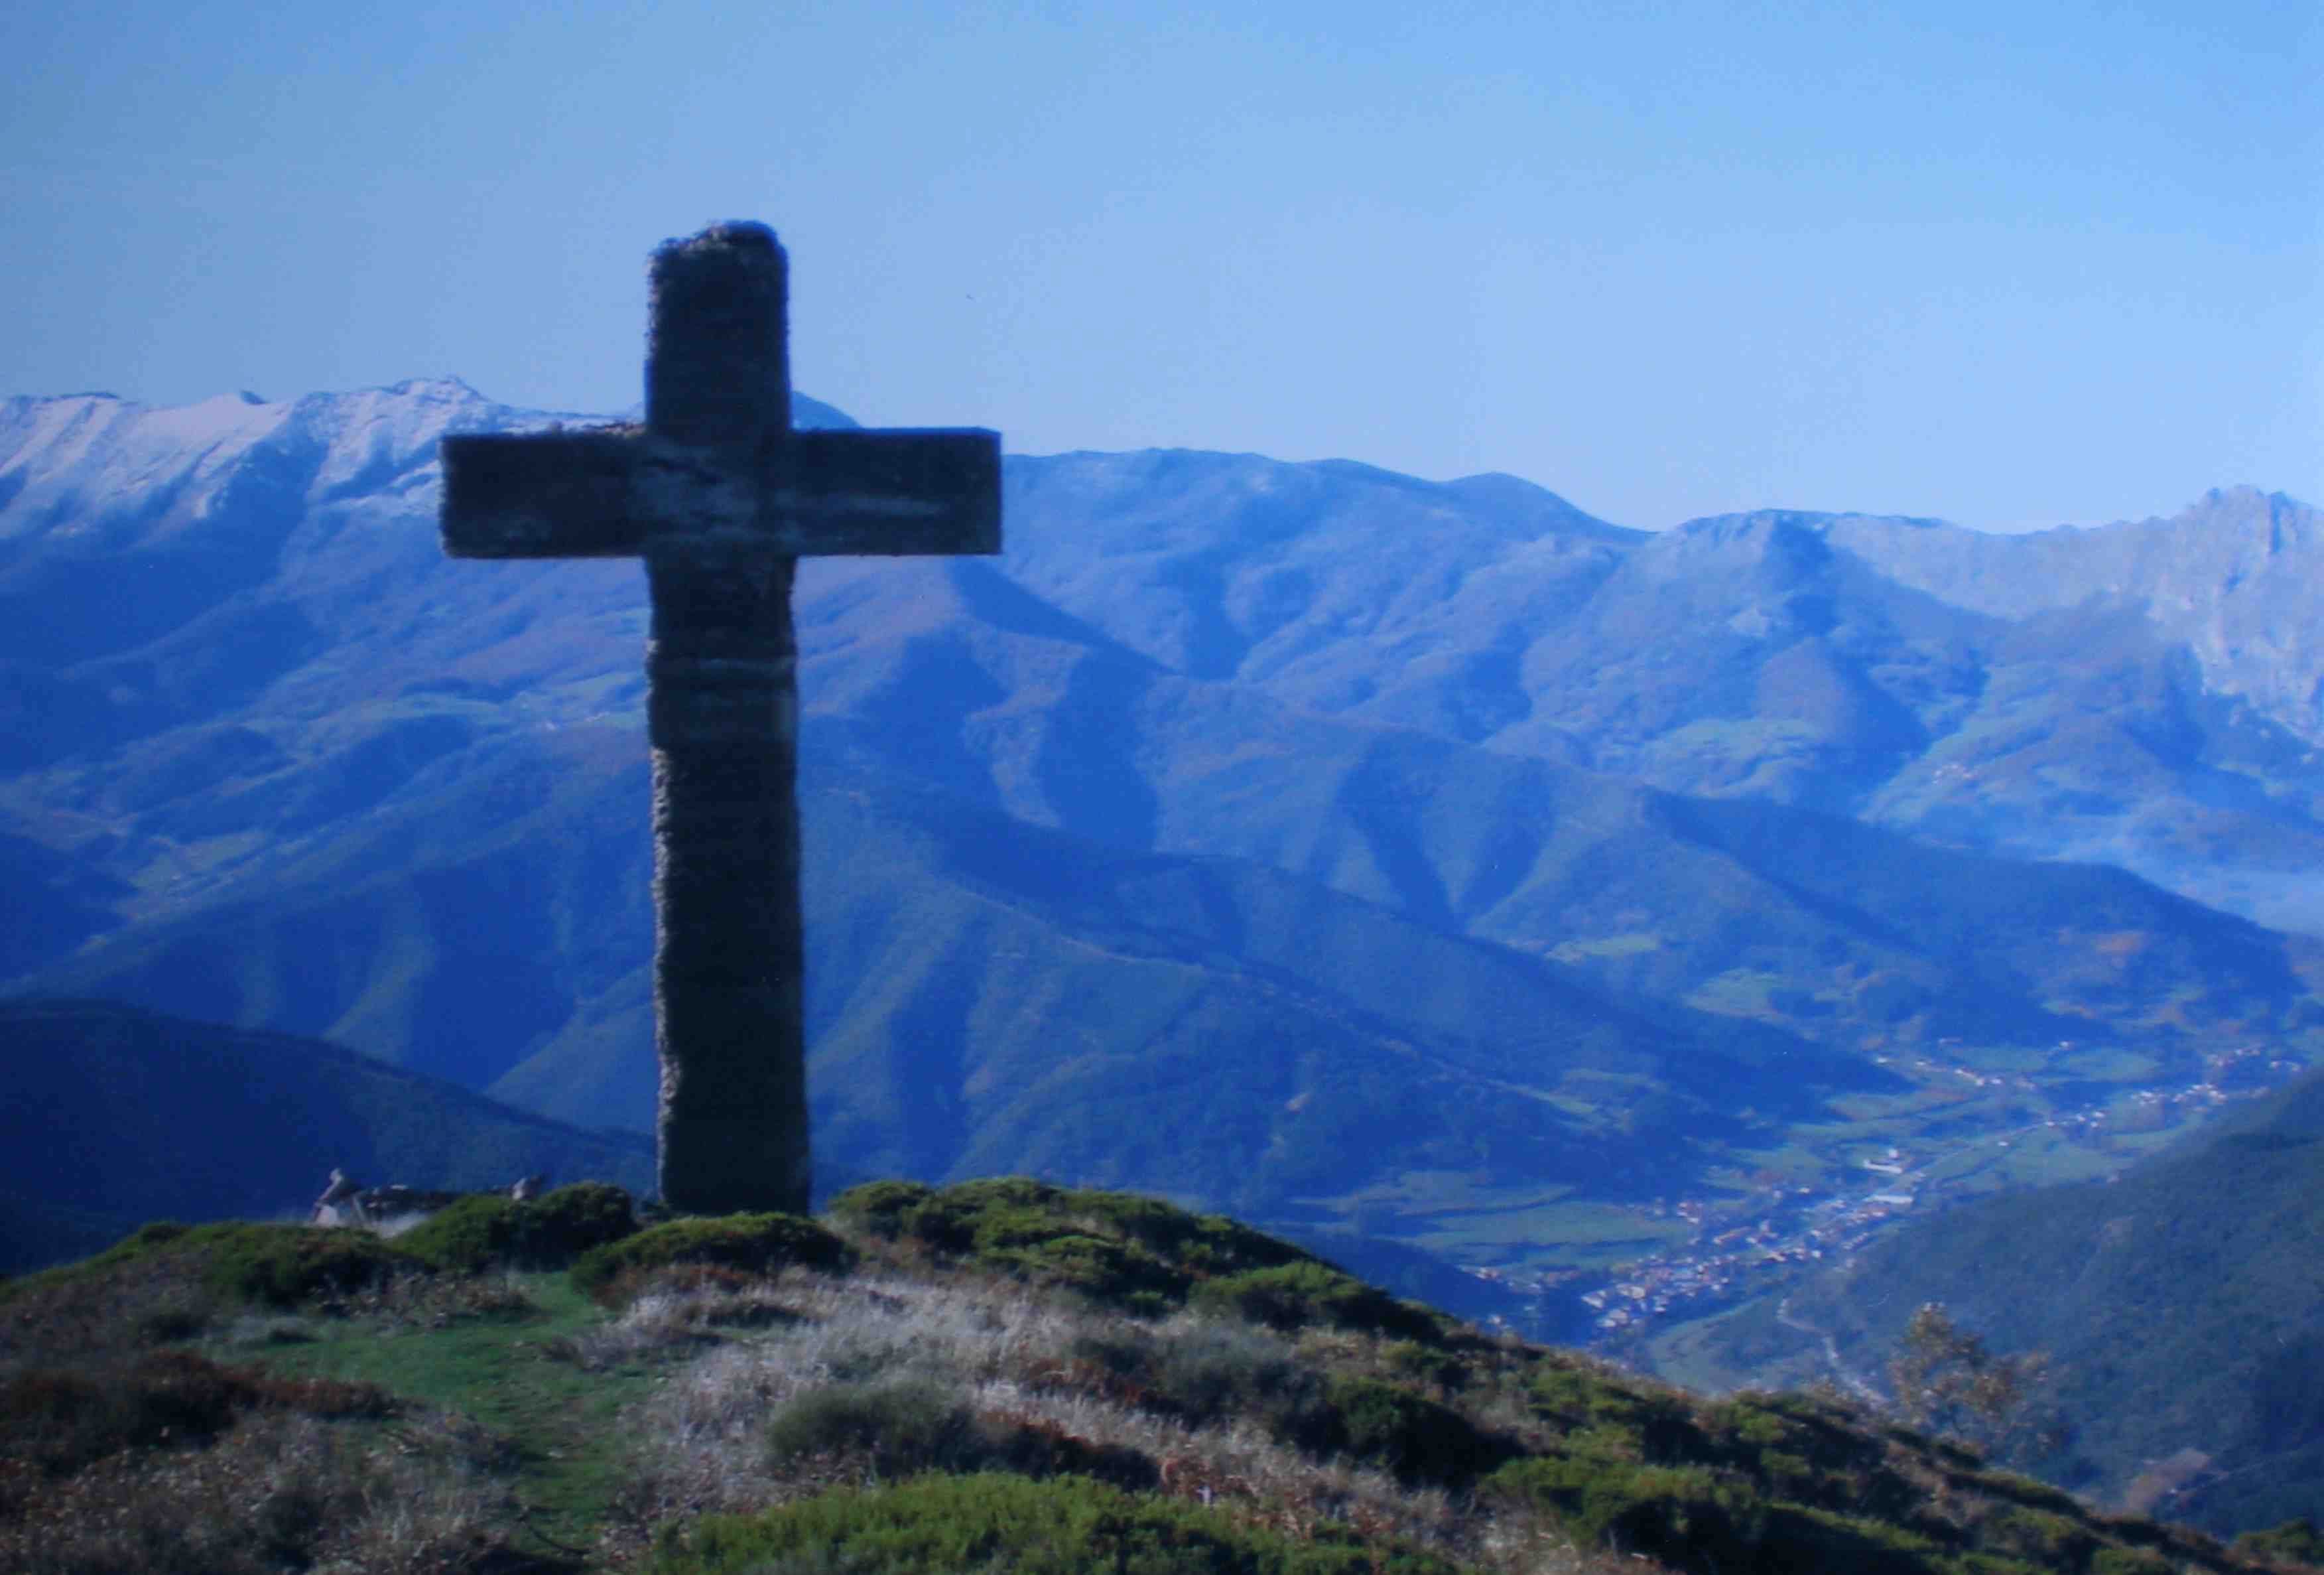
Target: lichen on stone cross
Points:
(721, 498)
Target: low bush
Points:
(1410, 1436)
(2039, 1536)
(1203, 1245)
(1296, 1295)
(2294, 1542)
(1063, 1525)
(278, 1265)
(1740, 1428)
(1680, 1515)
(1663, 1423)
(60, 1419)
(903, 1426)
(285, 1264)
(899, 1428)
(1685, 1517)
(1210, 1372)
(880, 1207)
(1113, 1274)
(960, 1219)
(493, 1230)
(2137, 1562)
(758, 1243)
(276, 1491)
(1137, 1254)
(1800, 1538)
(1414, 1360)
(2032, 1492)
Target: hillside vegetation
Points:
(996, 1375)
(2177, 1303)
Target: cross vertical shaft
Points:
(722, 715)
(729, 953)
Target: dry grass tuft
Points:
(274, 1491)
(135, 1304)
(57, 1420)
(877, 1378)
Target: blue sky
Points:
(2007, 264)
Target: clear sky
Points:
(2007, 264)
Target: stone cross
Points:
(721, 498)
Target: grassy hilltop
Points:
(1000, 1374)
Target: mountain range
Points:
(1307, 840)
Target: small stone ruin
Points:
(347, 1201)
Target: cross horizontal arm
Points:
(602, 492)
(542, 495)
(888, 492)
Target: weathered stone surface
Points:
(720, 497)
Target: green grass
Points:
(549, 1232)
(1563, 1234)
(279, 1265)
(979, 1377)
(994, 1521)
(751, 1243)
(561, 1421)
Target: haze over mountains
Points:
(1300, 838)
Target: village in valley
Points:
(1771, 1228)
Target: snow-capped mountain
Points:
(1247, 830)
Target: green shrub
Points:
(1562, 1393)
(1749, 1426)
(1294, 1295)
(1410, 1435)
(1799, 1537)
(2030, 1491)
(2037, 1535)
(152, 1234)
(2295, 1541)
(1216, 1371)
(757, 1244)
(1065, 1525)
(1416, 1360)
(1788, 1476)
(1803, 1448)
(1685, 1517)
(1115, 1273)
(1028, 1230)
(1117, 1248)
(902, 1426)
(1203, 1245)
(548, 1233)
(281, 1265)
(880, 1207)
(284, 1264)
(2140, 1561)
(1666, 1430)
(570, 1220)
(957, 1219)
